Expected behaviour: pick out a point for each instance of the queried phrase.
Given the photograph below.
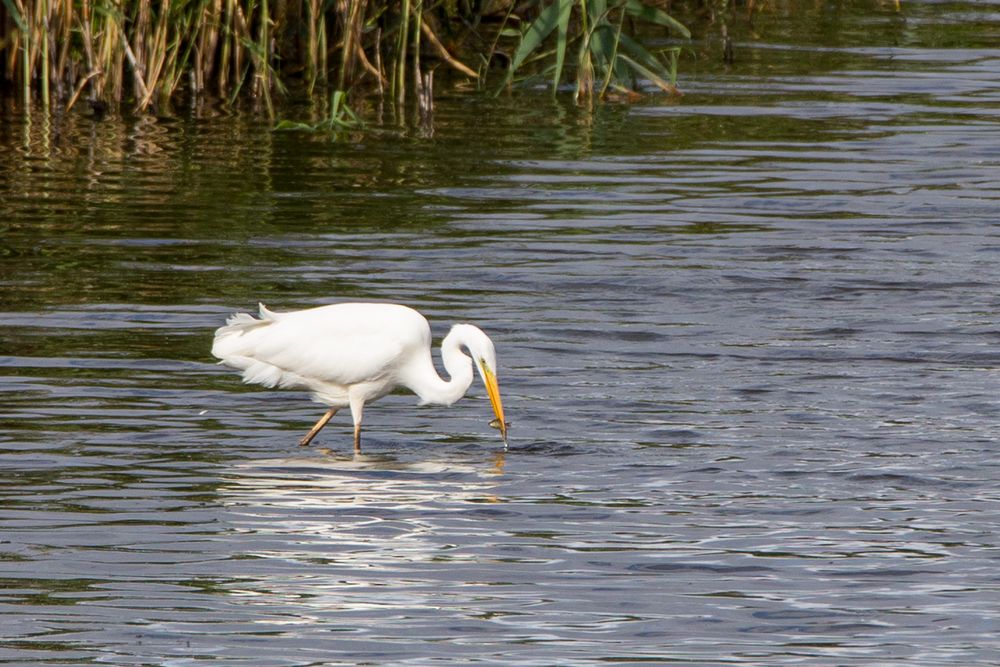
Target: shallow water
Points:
(747, 341)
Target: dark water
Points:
(748, 341)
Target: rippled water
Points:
(748, 344)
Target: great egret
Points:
(349, 354)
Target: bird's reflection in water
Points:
(362, 478)
(361, 511)
(332, 460)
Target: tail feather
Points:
(235, 346)
(227, 344)
(266, 314)
(240, 323)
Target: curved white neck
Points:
(433, 389)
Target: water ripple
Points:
(747, 340)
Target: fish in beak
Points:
(493, 391)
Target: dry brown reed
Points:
(142, 55)
(137, 54)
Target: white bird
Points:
(349, 354)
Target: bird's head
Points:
(484, 356)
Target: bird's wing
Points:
(341, 358)
(340, 346)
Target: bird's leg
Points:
(357, 410)
(319, 425)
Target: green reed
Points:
(142, 55)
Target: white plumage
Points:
(350, 354)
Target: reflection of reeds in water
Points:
(144, 54)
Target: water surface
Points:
(747, 340)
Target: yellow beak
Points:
(493, 390)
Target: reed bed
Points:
(144, 55)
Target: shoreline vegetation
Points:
(145, 56)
